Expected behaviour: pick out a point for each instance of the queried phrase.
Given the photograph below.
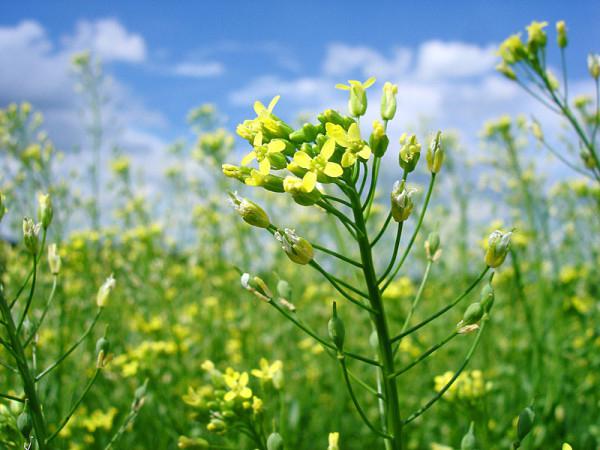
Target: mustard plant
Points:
(525, 62)
(333, 167)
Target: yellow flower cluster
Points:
(469, 386)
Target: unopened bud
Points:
(401, 201)
(249, 211)
(487, 297)
(284, 290)
(298, 249)
(54, 259)
(435, 154)
(498, 246)
(388, 101)
(336, 329)
(432, 246)
(307, 133)
(25, 423)
(45, 211)
(257, 286)
(192, 443)
(104, 291)
(536, 130)
(237, 172)
(506, 70)
(378, 141)
(102, 350)
(2, 207)
(297, 188)
(473, 314)
(410, 152)
(332, 116)
(357, 103)
(334, 439)
(561, 34)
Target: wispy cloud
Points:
(199, 70)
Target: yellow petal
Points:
(333, 170)
(259, 108)
(337, 132)
(328, 149)
(348, 159)
(276, 146)
(302, 159)
(258, 139)
(229, 396)
(309, 181)
(257, 373)
(354, 132)
(343, 87)
(365, 153)
(243, 379)
(246, 393)
(264, 166)
(248, 158)
(273, 102)
(369, 82)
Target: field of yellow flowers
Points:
(288, 297)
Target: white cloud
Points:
(199, 70)
(441, 60)
(342, 59)
(108, 39)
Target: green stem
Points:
(337, 255)
(425, 355)
(394, 254)
(382, 231)
(44, 313)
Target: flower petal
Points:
(264, 166)
(348, 159)
(276, 146)
(343, 87)
(243, 379)
(302, 159)
(365, 153)
(246, 393)
(338, 133)
(258, 139)
(368, 83)
(333, 170)
(328, 149)
(259, 108)
(248, 158)
(273, 102)
(229, 396)
(354, 132)
(309, 181)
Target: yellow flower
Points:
(351, 141)
(261, 153)
(319, 165)
(257, 404)
(512, 49)
(237, 384)
(358, 97)
(536, 34)
(269, 372)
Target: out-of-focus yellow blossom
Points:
(469, 385)
(269, 372)
(238, 385)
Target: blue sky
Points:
(167, 57)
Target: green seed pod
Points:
(336, 329)
(249, 211)
(525, 423)
(24, 423)
(487, 297)
(473, 314)
(45, 211)
(378, 141)
(275, 441)
(498, 246)
(468, 441)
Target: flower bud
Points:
(54, 259)
(102, 349)
(498, 246)
(192, 443)
(561, 34)
(588, 159)
(296, 188)
(334, 439)
(536, 36)
(45, 211)
(237, 172)
(487, 298)
(505, 70)
(332, 116)
(468, 441)
(388, 101)
(274, 441)
(402, 204)
(284, 290)
(336, 329)
(268, 182)
(104, 291)
(257, 286)
(298, 249)
(525, 423)
(473, 314)
(24, 423)
(31, 232)
(357, 104)
(435, 154)
(378, 140)
(249, 211)
(307, 133)
(594, 65)
(536, 130)
(410, 152)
